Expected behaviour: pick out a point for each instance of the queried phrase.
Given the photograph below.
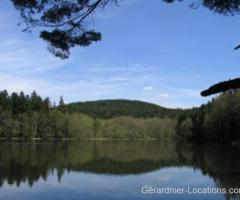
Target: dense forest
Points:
(107, 109)
(32, 117)
(216, 121)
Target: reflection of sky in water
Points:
(86, 186)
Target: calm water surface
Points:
(112, 170)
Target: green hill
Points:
(114, 108)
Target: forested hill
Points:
(114, 108)
(30, 116)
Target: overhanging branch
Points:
(222, 87)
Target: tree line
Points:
(30, 116)
(216, 121)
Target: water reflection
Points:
(113, 169)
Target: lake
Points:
(124, 170)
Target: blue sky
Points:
(151, 51)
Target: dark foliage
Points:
(216, 121)
(115, 108)
(222, 87)
(224, 7)
(63, 23)
(24, 116)
(20, 103)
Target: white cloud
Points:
(26, 57)
(148, 88)
(103, 67)
(163, 95)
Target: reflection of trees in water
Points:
(219, 162)
(28, 162)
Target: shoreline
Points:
(77, 139)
